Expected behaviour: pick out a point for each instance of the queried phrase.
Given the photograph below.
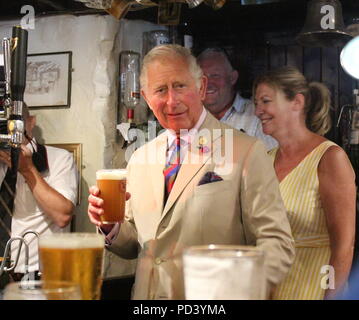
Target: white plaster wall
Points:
(90, 119)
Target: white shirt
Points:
(242, 116)
(27, 215)
(186, 136)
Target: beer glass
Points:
(40, 290)
(75, 257)
(224, 273)
(112, 185)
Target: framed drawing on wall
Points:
(48, 80)
(76, 150)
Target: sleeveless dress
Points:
(300, 193)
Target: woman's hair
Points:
(291, 81)
(169, 51)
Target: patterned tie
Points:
(172, 168)
(7, 195)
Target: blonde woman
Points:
(317, 183)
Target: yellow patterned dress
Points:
(300, 193)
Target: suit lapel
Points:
(193, 162)
(157, 178)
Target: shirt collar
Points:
(238, 105)
(187, 135)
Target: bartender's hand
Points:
(95, 209)
(25, 159)
(26, 164)
(5, 157)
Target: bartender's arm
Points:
(54, 204)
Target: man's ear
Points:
(145, 97)
(203, 87)
(234, 77)
(31, 122)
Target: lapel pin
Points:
(202, 141)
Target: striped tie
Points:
(171, 168)
(7, 195)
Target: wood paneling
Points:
(295, 57)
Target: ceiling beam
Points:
(54, 4)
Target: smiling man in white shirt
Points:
(223, 101)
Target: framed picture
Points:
(48, 80)
(76, 150)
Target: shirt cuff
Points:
(109, 237)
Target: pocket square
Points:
(209, 177)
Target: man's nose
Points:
(172, 98)
(210, 81)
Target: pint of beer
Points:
(112, 185)
(75, 257)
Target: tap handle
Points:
(15, 154)
(18, 63)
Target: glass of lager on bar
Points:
(75, 257)
(112, 185)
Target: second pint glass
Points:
(112, 185)
(224, 272)
(75, 257)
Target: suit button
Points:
(158, 261)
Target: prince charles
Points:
(198, 183)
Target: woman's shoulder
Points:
(335, 161)
(332, 151)
(319, 146)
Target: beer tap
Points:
(37, 235)
(15, 56)
(4, 265)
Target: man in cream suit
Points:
(225, 191)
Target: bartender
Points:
(45, 196)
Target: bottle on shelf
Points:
(185, 35)
(132, 128)
(130, 78)
(129, 93)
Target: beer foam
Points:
(74, 240)
(118, 174)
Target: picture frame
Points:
(48, 80)
(76, 150)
